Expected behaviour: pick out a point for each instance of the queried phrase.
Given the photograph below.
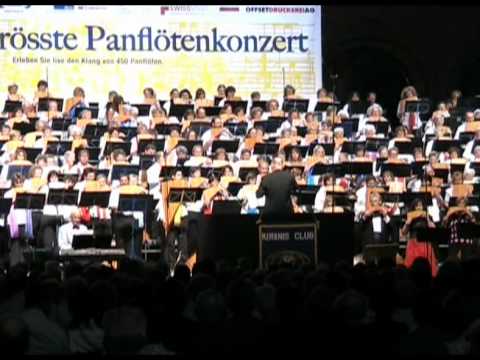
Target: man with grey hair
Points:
(277, 188)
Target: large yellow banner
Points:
(128, 48)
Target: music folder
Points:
(159, 144)
(189, 144)
(143, 109)
(119, 170)
(22, 169)
(62, 197)
(200, 127)
(179, 110)
(358, 167)
(61, 124)
(237, 103)
(230, 146)
(94, 198)
(398, 170)
(183, 195)
(300, 105)
(12, 106)
(29, 201)
(58, 147)
(43, 103)
(392, 197)
(266, 148)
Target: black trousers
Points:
(127, 234)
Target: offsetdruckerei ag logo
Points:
(279, 9)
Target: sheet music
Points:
(377, 224)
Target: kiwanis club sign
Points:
(287, 243)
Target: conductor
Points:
(277, 188)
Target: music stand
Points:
(119, 170)
(189, 144)
(381, 127)
(112, 146)
(320, 169)
(243, 172)
(200, 127)
(95, 131)
(266, 148)
(269, 126)
(358, 167)
(179, 110)
(43, 103)
(230, 146)
(183, 195)
(306, 194)
(328, 147)
(169, 171)
(129, 132)
(83, 241)
(159, 144)
(398, 170)
(5, 206)
(61, 124)
(234, 187)
(226, 207)
(166, 129)
(78, 111)
(237, 129)
(12, 106)
(260, 103)
(143, 109)
(300, 105)
(62, 197)
(58, 148)
(24, 127)
(22, 169)
(372, 144)
(351, 147)
(417, 106)
(212, 110)
(404, 147)
(357, 108)
(146, 161)
(29, 201)
(322, 106)
(32, 153)
(237, 103)
(94, 198)
(445, 145)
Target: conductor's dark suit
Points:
(277, 188)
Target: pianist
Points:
(68, 230)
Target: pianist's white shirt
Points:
(66, 233)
